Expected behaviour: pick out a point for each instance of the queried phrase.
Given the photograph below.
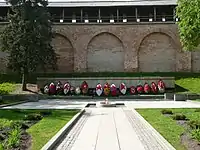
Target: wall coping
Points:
(108, 78)
(107, 23)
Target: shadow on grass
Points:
(180, 89)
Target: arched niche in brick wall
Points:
(195, 59)
(157, 53)
(65, 51)
(105, 53)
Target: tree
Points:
(188, 13)
(27, 38)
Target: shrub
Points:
(5, 123)
(194, 124)
(6, 88)
(1, 146)
(13, 140)
(196, 134)
(34, 116)
(166, 111)
(179, 117)
(45, 112)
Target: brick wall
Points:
(122, 47)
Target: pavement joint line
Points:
(137, 124)
(67, 144)
(116, 131)
(155, 133)
(97, 137)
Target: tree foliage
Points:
(188, 12)
(28, 36)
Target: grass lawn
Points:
(191, 85)
(197, 100)
(6, 88)
(168, 127)
(42, 131)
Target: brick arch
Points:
(105, 52)
(161, 31)
(65, 51)
(107, 32)
(157, 53)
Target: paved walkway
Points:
(113, 129)
(110, 128)
(78, 104)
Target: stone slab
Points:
(159, 96)
(169, 96)
(127, 137)
(180, 97)
(107, 137)
(93, 81)
(91, 130)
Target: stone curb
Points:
(16, 103)
(96, 97)
(156, 134)
(193, 101)
(59, 135)
(22, 97)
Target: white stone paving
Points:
(163, 104)
(50, 104)
(111, 128)
(78, 104)
(105, 129)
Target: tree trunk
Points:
(24, 81)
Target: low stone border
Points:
(181, 97)
(193, 101)
(16, 103)
(23, 97)
(93, 81)
(59, 135)
(187, 96)
(41, 97)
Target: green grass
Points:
(48, 127)
(6, 88)
(166, 126)
(191, 85)
(44, 130)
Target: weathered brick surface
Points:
(196, 61)
(65, 53)
(122, 47)
(105, 53)
(157, 50)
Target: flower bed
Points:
(181, 127)
(25, 129)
